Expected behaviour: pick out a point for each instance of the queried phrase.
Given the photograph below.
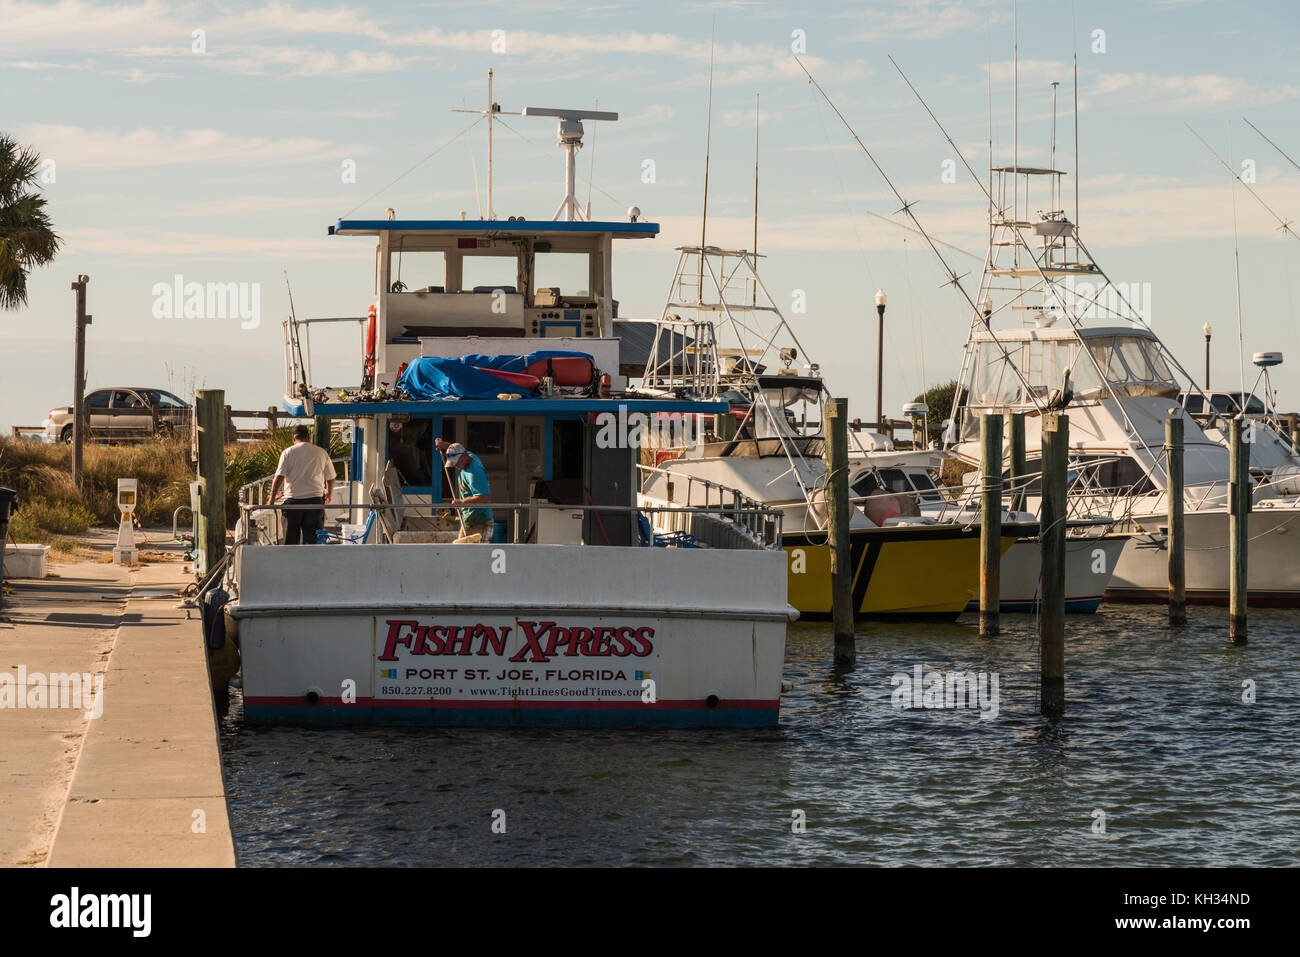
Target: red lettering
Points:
(581, 643)
(624, 639)
(395, 638)
(643, 636)
(459, 640)
(434, 639)
(490, 637)
(533, 631)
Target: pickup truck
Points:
(122, 413)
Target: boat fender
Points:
(312, 695)
(712, 700)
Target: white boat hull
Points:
(511, 635)
(1089, 565)
(1272, 566)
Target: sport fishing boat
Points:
(1092, 548)
(769, 445)
(1054, 333)
(499, 335)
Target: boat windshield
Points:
(1133, 366)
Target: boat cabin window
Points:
(1230, 403)
(417, 270)
(1132, 365)
(488, 273)
(1109, 472)
(1193, 403)
(568, 272)
(883, 480)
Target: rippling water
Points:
(1156, 736)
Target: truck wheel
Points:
(66, 435)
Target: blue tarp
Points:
(437, 378)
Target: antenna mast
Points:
(708, 138)
(1074, 29)
(754, 294)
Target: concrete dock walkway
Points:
(140, 785)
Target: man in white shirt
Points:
(306, 474)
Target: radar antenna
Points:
(570, 140)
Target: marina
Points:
(627, 508)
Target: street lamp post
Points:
(880, 360)
(1207, 330)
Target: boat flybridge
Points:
(1053, 332)
(721, 335)
(499, 335)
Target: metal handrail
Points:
(758, 514)
(762, 525)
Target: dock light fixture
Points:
(987, 307)
(1207, 331)
(880, 361)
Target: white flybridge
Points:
(1054, 332)
(570, 140)
(560, 609)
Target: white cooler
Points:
(27, 561)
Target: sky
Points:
(217, 142)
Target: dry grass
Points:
(51, 507)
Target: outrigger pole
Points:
(953, 279)
(1284, 224)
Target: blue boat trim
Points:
(1080, 606)
(371, 227)
(511, 717)
(504, 406)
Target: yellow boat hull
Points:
(929, 571)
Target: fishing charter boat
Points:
(499, 335)
(1054, 333)
(769, 445)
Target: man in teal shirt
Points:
(471, 486)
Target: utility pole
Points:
(79, 379)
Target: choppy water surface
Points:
(1156, 736)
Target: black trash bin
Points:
(8, 502)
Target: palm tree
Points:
(26, 237)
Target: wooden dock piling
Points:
(210, 523)
(990, 523)
(1056, 445)
(1176, 537)
(837, 495)
(1238, 528)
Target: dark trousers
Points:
(302, 524)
